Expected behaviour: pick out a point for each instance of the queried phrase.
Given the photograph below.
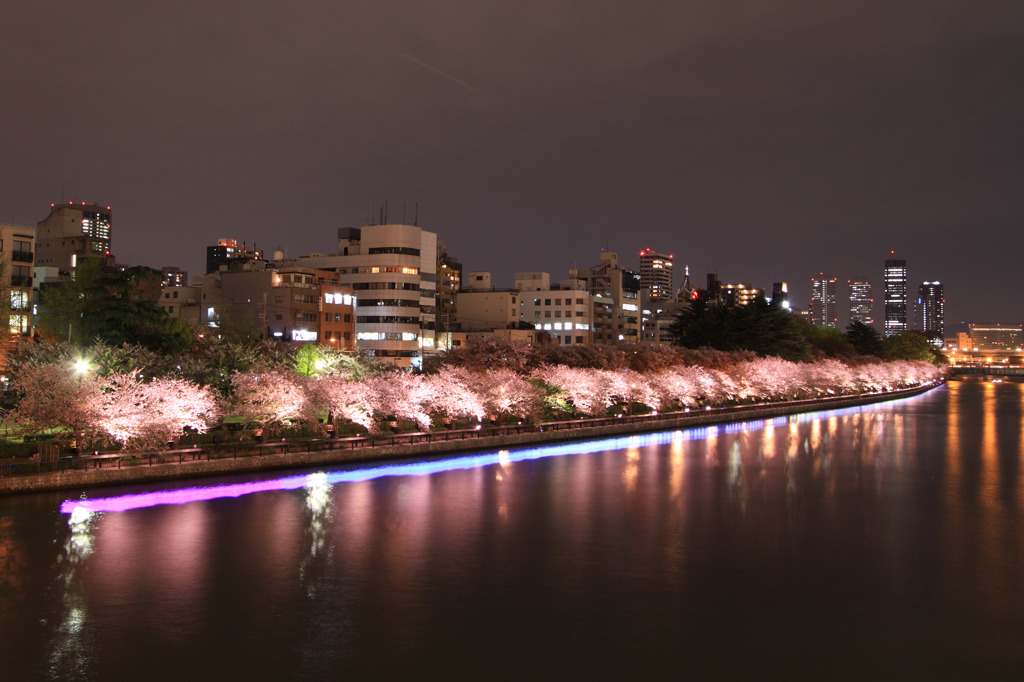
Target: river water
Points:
(882, 542)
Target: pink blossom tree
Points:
(582, 388)
(53, 395)
(273, 399)
(134, 413)
(452, 394)
(506, 392)
(347, 400)
(401, 396)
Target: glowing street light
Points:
(82, 366)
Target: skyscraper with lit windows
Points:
(823, 302)
(656, 274)
(895, 278)
(861, 302)
(931, 305)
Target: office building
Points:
(823, 302)
(227, 252)
(72, 231)
(481, 307)
(283, 303)
(174, 276)
(931, 305)
(393, 270)
(615, 299)
(895, 280)
(181, 301)
(17, 252)
(449, 281)
(780, 295)
(656, 274)
(861, 302)
(563, 311)
(995, 337)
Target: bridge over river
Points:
(986, 370)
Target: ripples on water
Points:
(878, 542)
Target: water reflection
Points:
(318, 555)
(69, 657)
(883, 522)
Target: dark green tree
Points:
(758, 326)
(864, 338)
(825, 341)
(115, 307)
(911, 346)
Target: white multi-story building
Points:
(393, 270)
(563, 311)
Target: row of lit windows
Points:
(386, 319)
(392, 302)
(558, 313)
(402, 270)
(339, 299)
(558, 326)
(386, 336)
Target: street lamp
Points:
(82, 366)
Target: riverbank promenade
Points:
(215, 460)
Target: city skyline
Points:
(761, 143)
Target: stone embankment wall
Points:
(78, 479)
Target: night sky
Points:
(762, 140)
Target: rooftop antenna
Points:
(416, 218)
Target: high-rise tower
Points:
(823, 302)
(656, 274)
(861, 303)
(931, 311)
(895, 277)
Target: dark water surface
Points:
(882, 542)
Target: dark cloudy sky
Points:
(762, 140)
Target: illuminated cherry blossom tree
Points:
(400, 396)
(451, 394)
(506, 392)
(273, 399)
(142, 414)
(347, 400)
(55, 395)
(581, 387)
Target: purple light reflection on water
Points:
(200, 494)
